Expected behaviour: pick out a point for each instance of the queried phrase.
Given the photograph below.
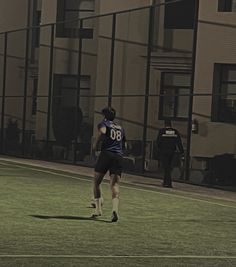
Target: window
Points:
(64, 92)
(179, 15)
(224, 93)
(175, 88)
(69, 10)
(226, 5)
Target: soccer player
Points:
(113, 140)
(168, 140)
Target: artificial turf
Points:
(45, 222)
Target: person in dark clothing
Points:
(113, 140)
(168, 141)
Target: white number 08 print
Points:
(115, 135)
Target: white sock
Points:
(115, 204)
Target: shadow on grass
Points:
(147, 184)
(79, 218)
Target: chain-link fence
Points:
(149, 66)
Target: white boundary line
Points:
(123, 186)
(91, 176)
(122, 256)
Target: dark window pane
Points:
(74, 10)
(234, 5)
(68, 97)
(179, 15)
(65, 92)
(72, 17)
(229, 74)
(224, 90)
(227, 111)
(168, 103)
(69, 81)
(177, 79)
(183, 103)
(72, 4)
(228, 89)
(175, 100)
(226, 5)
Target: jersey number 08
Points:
(115, 135)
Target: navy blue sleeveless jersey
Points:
(114, 138)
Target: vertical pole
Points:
(4, 91)
(78, 88)
(190, 111)
(146, 100)
(112, 59)
(50, 88)
(34, 30)
(26, 78)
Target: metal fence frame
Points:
(110, 94)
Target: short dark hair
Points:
(109, 113)
(167, 122)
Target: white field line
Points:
(122, 256)
(7, 169)
(8, 166)
(91, 176)
(127, 187)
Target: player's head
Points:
(109, 113)
(167, 123)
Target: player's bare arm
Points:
(98, 137)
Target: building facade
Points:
(149, 64)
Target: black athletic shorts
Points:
(109, 161)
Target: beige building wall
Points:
(216, 44)
(65, 62)
(129, 76)
(129, 63)
(108, 6)
(180, 41)
(13, 16)
(129, 68)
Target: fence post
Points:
(78, 88)
(26, 78)
(190, 111)
(4, 91)
(146, 99)
(50, 88)
(25, 92)
(112, 59)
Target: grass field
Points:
(45, 222)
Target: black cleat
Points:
(114, 217)
(95, 216)
(167, 185)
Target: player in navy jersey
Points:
(113, 140)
